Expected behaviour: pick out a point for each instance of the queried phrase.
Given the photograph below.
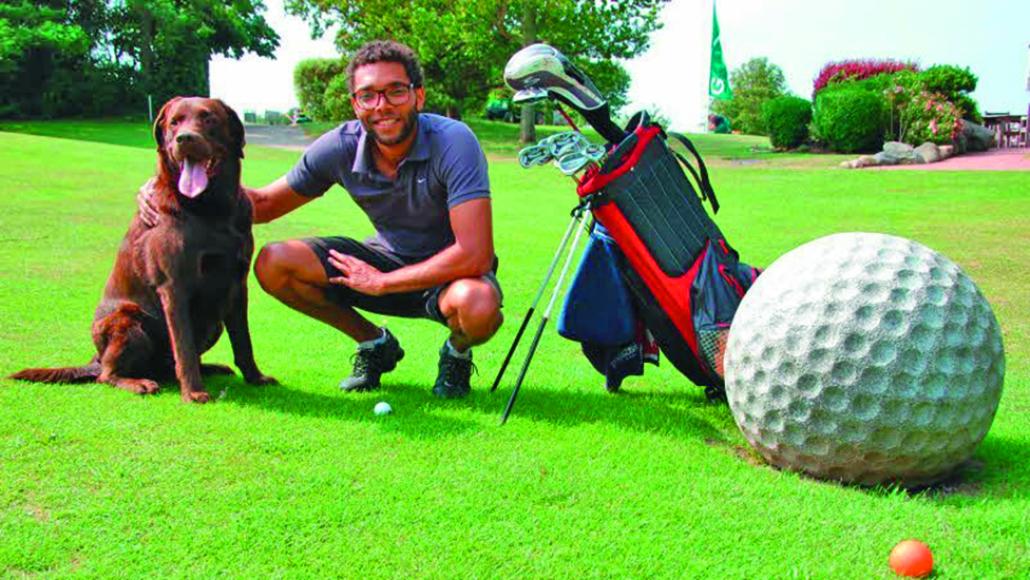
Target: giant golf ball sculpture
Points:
(865, 358)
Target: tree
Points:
(754, 83)
(66, 57)
(171, 41)
(464, 44)
(34, 40)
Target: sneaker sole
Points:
(400, 355)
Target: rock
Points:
(898, 152)
(898, 149)
(865, 161)
(882, 158)
(928, 153)
(847, 165)
(974, 138)
(946, 151)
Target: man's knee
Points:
(477, 306)
(277, 264)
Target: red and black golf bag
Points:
(686, 281)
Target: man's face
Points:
(387, 123)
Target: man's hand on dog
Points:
(357, 275)
(145, 202)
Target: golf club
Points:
(539, 71)
(577, 218)
(532, 306)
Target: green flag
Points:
(718, 78)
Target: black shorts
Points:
(416, 304)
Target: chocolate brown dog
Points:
(175, 285)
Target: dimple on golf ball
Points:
(865, 358)
(382, 408)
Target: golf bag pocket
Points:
(715, 294)
(598, 308)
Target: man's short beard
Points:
(410, 122)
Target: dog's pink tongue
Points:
(192, 178)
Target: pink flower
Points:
(933, 126)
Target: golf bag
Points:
(684, 278)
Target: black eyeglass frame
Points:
(381, 94)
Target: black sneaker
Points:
(370, 363)
(453, 380)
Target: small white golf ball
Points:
(383, 408)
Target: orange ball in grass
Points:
(911, 558)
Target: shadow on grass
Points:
(418, 414)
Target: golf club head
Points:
(541, 67)
(529, 96)
(534, 155)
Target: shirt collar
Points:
(419, 149)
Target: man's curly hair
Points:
(385, 51)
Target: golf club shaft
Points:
(536, 300)
(601, 120)
(522, 373)
(544, 319)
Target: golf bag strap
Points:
(703, 183)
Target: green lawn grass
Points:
(302, 480)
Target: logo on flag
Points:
(718, 77)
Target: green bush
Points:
(311, 79)
(954, 84)
(786, 119)
(970, 110)
(850, 119)
(948, 80)
(336, 105)
(754, 83)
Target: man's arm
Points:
(274, 200)
(470, 256)
(270, 202)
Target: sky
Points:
(991, 37)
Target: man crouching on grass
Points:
(422, 181)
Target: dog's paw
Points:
(148, 387)
(196, 397)
(138, 386)
(261, 380)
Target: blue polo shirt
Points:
(445, 167)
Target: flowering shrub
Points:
(856, 70)
(930, 117)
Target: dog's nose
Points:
(186, 137)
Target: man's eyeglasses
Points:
(395, 94)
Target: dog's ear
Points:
(159, 123)
(236, 132)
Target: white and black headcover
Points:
(539, 69)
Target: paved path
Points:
(993, 160)
(284, 136)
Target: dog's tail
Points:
(86, 374)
